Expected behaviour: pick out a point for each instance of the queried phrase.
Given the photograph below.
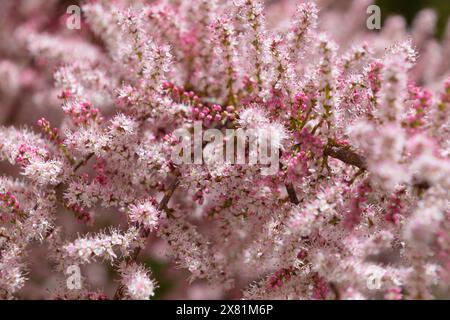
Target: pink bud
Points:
(167, 85)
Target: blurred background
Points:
(409, 8)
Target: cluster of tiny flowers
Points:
(137, 281)
(145, 214)
(357, 204)
(101, 246)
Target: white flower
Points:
(45, 172)
(137, 281)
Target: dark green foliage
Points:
(409, 8)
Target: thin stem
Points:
(292, 194)
(343, 153)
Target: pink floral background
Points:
(359, 208)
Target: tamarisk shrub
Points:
(359, 208)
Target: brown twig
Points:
(83, 161)
(346, 155)
(342, 153)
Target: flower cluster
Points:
(357, 207)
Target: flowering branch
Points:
(240, 105)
